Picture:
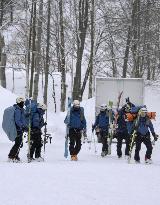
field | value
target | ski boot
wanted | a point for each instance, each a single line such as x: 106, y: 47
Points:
x: 119, y: 156
x: 31, y: 159
x: 148, y: 161
x: 137, y: 161
x: 39, y: 159
x: 10, y: 159
x: 74, y: 158
x: 103, y: 153
x: 126, y: 157
x: 17, y: 159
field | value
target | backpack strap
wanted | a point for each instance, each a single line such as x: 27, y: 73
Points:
x: 81, y: 113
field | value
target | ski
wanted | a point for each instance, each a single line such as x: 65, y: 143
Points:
x: 110, y: 127
x: 67, y: 128
x: 133, y: 138
x: 29, y: 133
x: 112, y: 122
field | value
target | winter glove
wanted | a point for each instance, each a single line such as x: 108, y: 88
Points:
x: 84, y: 134
x: 155, y: 136
x: 45, y: 123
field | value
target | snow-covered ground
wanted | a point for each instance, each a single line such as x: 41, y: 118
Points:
x: 90, y: 181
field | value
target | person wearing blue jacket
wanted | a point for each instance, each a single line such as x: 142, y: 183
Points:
x: 144, y: 127
x: 37, y: 122
x: 20, y: 123
x: 102, y: 122
x: 122, y: 133
x: 76, y: 123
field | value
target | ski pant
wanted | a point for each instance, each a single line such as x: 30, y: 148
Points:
x: 14, y: 152
x: 36, y: 143
x: 104, y: 140
x: 120, y: 136
x: 75, y: 141
x: 147, y: 141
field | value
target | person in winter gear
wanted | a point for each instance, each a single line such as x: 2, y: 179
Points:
x: 20, y: 127
x: 122, y: 133
x: 127, y: 108
x: 77, y: 124
x: 143, y: 135
x: 37, y: 122
x: 102, y: 122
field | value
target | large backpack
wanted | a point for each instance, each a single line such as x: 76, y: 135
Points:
x: 31, y: 109
x: 8, y: 123
x: 67, y: 119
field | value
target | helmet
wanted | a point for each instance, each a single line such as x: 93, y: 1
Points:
x: 76, y: 103
x: 42, y: 106
x: 143, y: 109
x: 20, y: 99
x: 103, y: 107
x: 143, y: 112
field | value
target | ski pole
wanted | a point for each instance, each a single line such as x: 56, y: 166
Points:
x: 95, y: 147
x: 90, y: 143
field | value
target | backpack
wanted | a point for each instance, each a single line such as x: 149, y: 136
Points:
x: 67, y: 119
x: 8, y: 123
x: 131, y: 117
x: 31, y: 109
x: 81, y: 113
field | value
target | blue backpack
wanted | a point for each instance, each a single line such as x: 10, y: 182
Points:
x: 31, y: 109
x: 8, y: 123
x: 67, y: 119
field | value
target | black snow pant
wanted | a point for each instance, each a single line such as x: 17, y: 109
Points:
x: 120, y: 136
x: 36, y: 143
x: 14, y: 152
x: 75, y: 141
x: 104, y: 140
x: 147, y: 141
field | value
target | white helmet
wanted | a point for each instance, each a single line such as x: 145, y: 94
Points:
x: 144, y: 109
x: 20, y: 99
x: 76, y: 103
x: 103, y: 107
x: 42, y: 106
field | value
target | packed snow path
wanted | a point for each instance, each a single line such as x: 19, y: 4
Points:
x: 91, y: 181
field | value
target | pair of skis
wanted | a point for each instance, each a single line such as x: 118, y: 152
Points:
x: 112, y: 121
x: 67, y: 128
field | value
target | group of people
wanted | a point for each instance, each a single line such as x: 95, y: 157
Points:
x: 32, y: 121
x: 24, y: 121
x: 123, y: 129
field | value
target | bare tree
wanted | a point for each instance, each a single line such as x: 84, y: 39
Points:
x: 81, y: 36
x: 47, y: 53
x: 62, y: 57
x: 38, y: 50
x: 34, y: 3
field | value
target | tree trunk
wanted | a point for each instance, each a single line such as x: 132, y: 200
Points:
x: 81, y: 36
x: 62, y: 50
x: 136, y: 37
x: 90, y: 92
x: 38, y: 49
x: 1, y: 10
x: 28, y: 48
x: 126, y: 56
x: 47, y: 53
x: 2, y: 70
x: 11, y: 12
x: 3, y: 59
x: 33, y: 47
